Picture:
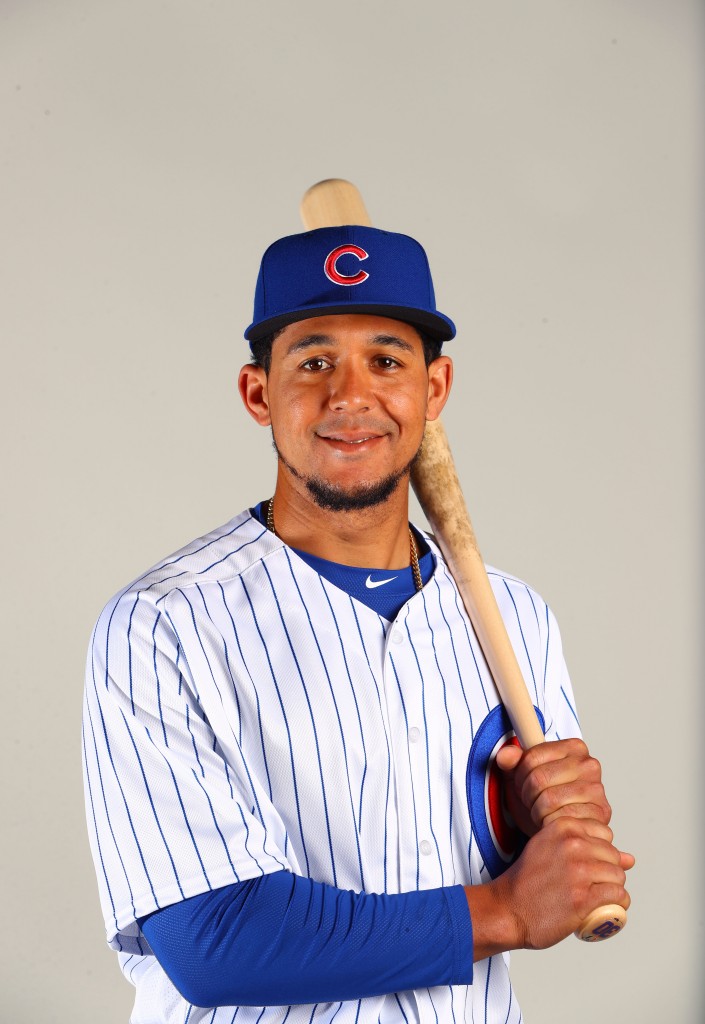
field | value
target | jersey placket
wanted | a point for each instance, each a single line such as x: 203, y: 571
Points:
x: 414, y: 738
x: 419, y: 864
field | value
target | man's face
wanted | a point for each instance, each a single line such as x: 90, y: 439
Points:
x: 347, y: 398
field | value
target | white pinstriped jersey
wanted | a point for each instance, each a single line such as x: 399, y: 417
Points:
x: 243, y: 715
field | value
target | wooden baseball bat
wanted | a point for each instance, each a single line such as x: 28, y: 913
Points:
x: 437, y: 487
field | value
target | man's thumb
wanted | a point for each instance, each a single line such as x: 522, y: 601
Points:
x: 508, y: 757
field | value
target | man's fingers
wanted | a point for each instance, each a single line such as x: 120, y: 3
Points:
x: 553, y: 779
x: 552, y: 774
x: 545, y: 754
x: 589, y: 830
x: 588, y: 811
x: 589, y: 842
x: 605, y: 894
x: 604, y: 849
x: 576, y: 801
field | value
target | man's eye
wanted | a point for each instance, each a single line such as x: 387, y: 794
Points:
x: 386, y: 362
x: 317, y: 363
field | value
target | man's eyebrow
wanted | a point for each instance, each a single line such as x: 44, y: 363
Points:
x: 311, y: 340
x: 392, y: 341
x: 308, y: 342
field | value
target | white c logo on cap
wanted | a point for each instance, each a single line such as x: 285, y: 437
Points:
x: 332, y: 272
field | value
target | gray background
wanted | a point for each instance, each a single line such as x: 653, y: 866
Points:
x: 547, y: 154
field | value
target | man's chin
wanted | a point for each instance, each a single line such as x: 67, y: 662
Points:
x: 336, y: 498
x: 364, y: 496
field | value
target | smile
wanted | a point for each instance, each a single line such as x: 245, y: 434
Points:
x: 348, y: 440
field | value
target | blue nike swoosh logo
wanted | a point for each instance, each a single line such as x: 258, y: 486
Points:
x: 371, y: 584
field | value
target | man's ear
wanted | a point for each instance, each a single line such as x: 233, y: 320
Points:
x: 440, y: 379
x: 252, y: 385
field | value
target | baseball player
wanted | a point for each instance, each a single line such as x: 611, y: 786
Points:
x: 302, y: 798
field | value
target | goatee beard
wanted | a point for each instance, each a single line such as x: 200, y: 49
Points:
x: 335, y: 499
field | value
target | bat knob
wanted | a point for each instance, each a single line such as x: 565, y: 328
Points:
x: 602, y: 923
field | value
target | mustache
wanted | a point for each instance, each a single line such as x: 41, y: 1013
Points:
x: 337, y: 424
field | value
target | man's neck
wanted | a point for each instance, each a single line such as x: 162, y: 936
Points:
x: 376, y: 536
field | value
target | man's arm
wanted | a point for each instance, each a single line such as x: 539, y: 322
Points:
x: 284, y: 939
x: 289, y: 939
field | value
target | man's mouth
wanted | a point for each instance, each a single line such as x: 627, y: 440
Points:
x: 349, y: 440
x: 353, y: 443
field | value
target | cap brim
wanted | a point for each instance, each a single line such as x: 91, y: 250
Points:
x: 436, y: 325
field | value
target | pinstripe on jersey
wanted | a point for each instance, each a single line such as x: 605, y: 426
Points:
x: 243, y: 715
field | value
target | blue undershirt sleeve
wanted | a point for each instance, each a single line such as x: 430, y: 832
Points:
x: 282, y: 939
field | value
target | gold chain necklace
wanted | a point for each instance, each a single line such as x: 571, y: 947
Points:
x: 413, y: 552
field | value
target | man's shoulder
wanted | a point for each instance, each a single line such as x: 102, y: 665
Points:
x: 510, y: 591
x: 506, y: 581
x: 219, y: 555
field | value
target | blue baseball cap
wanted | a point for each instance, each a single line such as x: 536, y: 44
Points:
x: 348, y: 269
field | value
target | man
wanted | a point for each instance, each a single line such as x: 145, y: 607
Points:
x: 290, y: 732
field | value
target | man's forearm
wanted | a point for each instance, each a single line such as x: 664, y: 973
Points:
x: 282, y: 939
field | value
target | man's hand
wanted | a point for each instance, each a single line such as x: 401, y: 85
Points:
x: 550, y: 781
x: 566, y: 870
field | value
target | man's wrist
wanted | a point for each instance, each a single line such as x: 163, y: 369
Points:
x: 495, y: 926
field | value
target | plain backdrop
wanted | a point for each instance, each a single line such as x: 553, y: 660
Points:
x: 548, y: 155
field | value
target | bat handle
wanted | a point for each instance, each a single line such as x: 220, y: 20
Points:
x: 602, y: 923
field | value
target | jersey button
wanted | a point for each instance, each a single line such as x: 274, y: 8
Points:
x: 397, y: 638
x: 414, y: 734
x: 425, y: 847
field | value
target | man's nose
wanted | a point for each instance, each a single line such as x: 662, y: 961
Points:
x: 351, y: 389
